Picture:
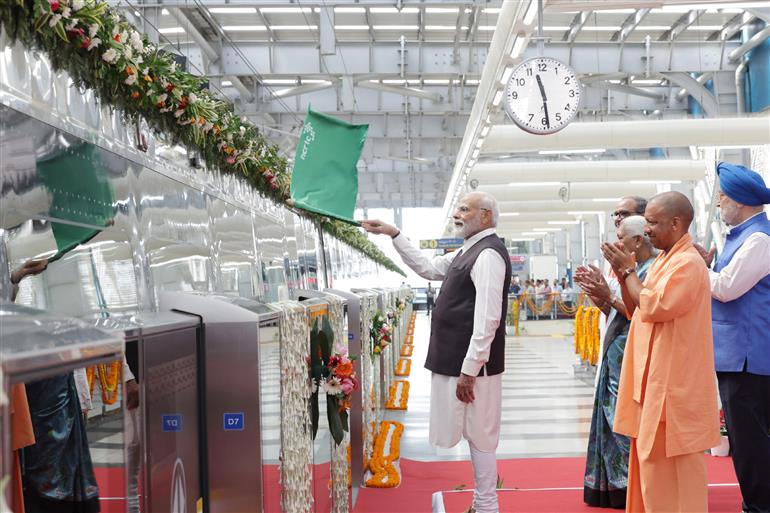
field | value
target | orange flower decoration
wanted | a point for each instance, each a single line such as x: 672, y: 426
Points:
x: 129, y: 70
x: 344, y: 370
x: 135, y: 95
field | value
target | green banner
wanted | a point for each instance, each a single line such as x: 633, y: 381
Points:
x: 325, y: 179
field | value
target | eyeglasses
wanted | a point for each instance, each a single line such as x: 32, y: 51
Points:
x: 621, y: 214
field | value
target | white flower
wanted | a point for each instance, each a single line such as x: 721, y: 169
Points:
x: 333, y: 386
x: 66, y: 13
x: 77, y: 5
x: 136, y: 41
x: 192, y: 98
x: 128, y: 53
x: 173, y: 66
x: 131, y: 79
x: 71, y: 25
x: 179, y: 113
x: 115, y: 19
x: 243, y: 129
x: 162, y: 98
x: 139, y: 59
x: 95, y: 42
x: 166, y: 109
x: 93, y: 29
x: 208, y: 126
x: 123, y: 37
x: 115, y: 30
x: 54, y: 20
x: 110, y: 56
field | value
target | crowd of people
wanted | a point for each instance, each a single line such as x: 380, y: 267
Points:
x: 678, y: 323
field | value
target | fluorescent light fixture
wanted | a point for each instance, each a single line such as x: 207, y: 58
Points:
x: 546, y: 229
x: 480, y: 142
x: 587, y: 212
x: 471, y: 163
x: 531, y: 13
x: 523, y: 239
x: 350, y: 10
x: 509, y: 214
x: 226, y: 83
x: 655, y: 182
x: 705, y: 28
x: 537, y: 234
x: 396, y: 27
x: 487, y: 28
x: 475, y: 154
x: 653, y: 27
x: 485, y: 131
x: 436, y: 81
x: 491, y: 10
x: 440, y: 27
x: 233, y: 10
x: 559, y: 152
x: 294, y: 27
x: 532, y: 184
x: 576, y: 221
x: 393, y: 10
x: 438, y: 10
x: 171, y: 30
x: 518, y: 46
x: 279, y: 81
x: 315, y: 81
x: 244, y: 28
x: 645, y: 81
x: 285, y: 10
x: 558, y: 28
x: 137, y: 14
x: 351, y: 27
x: 605, y: 200
x: 507, y: 72
x: 498, y: 98
x: 471, y: 81
x: 615, y: 11
x: 164, y: 12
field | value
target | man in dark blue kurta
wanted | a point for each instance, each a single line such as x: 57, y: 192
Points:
x: 740, y: 290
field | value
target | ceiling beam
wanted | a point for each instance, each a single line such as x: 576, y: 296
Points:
x: 629, y: 25
x: 578, y: 22
x: 403, y: 91
x: 636, y: 91
x: 681, y: 25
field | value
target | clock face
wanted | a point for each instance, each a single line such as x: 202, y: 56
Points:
x: 543, y: 95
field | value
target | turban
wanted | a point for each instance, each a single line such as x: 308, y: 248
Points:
x: 743, y: 185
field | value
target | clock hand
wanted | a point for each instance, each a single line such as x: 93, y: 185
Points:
x: 545, y: 101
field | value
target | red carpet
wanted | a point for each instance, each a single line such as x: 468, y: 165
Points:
x: 420, y: 480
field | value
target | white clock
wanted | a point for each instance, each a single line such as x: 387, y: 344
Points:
x: 543, y: 95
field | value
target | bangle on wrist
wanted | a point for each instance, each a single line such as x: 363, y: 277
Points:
x: 398, y: 232
x: 627, y: 272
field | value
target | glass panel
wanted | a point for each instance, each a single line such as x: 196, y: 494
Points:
x: 271, y: 246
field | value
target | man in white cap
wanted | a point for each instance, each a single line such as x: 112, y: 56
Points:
x: 467, y: 341
x: 740, y: 291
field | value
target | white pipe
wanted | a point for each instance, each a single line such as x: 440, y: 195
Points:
x: 740, y: 80
x: 184, y: 22
x: 702, y: 79
x: 663, y: 133
x: 402, y: 90
x: 577, y: 191
x: 246, y: 95
x: 756, y: 40
x: 588, y: 171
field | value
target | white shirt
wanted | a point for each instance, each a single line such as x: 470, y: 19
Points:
x: 487, y: 275
x: 750, y: 264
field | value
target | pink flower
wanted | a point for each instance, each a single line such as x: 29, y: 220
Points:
x: 347, y: 385
x: 230, y: 160
x: 54, y: 6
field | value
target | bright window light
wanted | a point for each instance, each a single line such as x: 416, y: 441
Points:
x: 350, y: 10
x: 498, y: 98
x: 396, y: 27
x: 351, y: 27
x: 294, y: 27
x: 244, y: 28
x: 171, y: 30
x: 576, y: 221
x: 233, y: 10
x: 439, y: 10
x: 226, y: 83
x: 558, y: 152
x: 393, y: 10
x: 286, y: 10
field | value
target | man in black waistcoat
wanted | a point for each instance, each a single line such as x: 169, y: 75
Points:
x: 467, y: 342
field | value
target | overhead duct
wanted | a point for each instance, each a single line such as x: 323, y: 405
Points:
x: 575, y: 191
x: 194, y: 33
x: 493, y: 173
x: 663, y: 133
x: 756, y: 40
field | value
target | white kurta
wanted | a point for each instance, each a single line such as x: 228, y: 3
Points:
x: 451, y: 419
x: 749, y: 265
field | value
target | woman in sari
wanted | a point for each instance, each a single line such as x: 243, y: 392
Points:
x: 606, y: 474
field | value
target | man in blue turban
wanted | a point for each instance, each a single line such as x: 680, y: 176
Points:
x: 740, y: 291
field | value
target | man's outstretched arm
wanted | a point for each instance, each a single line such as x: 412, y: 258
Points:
x: 430, y: 269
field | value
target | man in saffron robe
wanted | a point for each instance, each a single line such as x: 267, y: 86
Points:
x: 667, y: 400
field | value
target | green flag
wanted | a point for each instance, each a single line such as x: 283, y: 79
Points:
x: 80, y: 192
x: 324, y: 179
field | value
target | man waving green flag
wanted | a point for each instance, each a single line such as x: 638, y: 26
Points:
x: 324, y: 179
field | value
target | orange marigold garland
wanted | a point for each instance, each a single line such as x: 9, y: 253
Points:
x: 406, y: 350
x: 109, y: 380
x: 387, y: 448
x: 404, y: 367
x: 398, y: 396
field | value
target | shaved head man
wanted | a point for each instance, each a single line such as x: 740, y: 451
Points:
x: 667, y: 396
x: 466, y: 354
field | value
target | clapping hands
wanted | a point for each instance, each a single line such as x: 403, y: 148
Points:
x: 593, y: 283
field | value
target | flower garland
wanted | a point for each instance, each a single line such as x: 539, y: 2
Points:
x: 406, y: 350
x: 404, y: 367
x: 296, y: 443
x: 368, y: 369
x: 386, y: 451
x: 587, y: 334
x: 109, y: 380
x: 379, y: 333
x: 102, y: 51
x: 399, y: 395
